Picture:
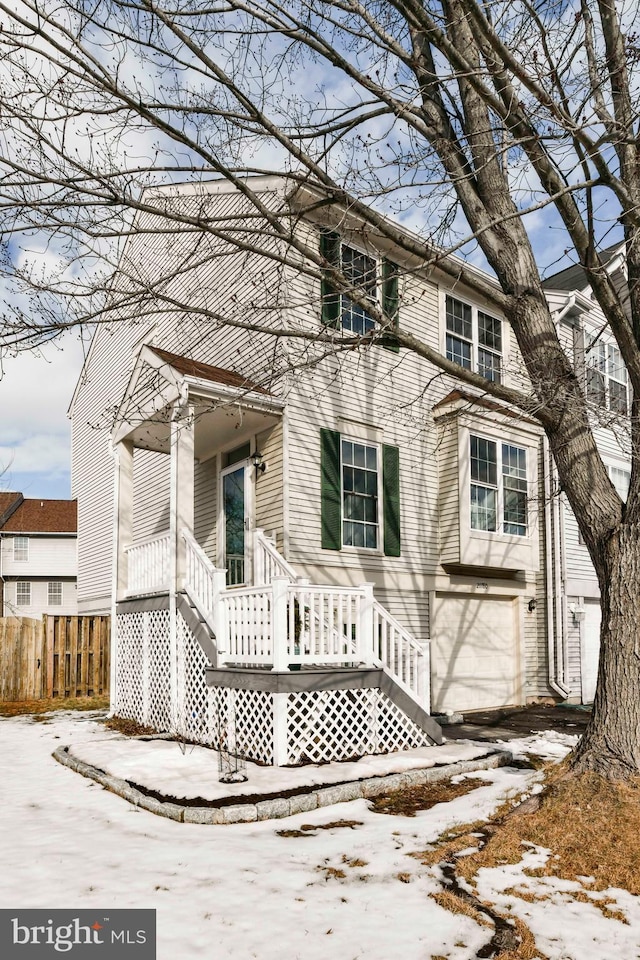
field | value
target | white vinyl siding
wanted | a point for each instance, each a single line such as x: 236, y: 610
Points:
x: 49, y: 556
x: 38, y: 599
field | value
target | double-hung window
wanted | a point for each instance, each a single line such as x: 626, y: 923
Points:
x: 360, y: 494
x: 23, y: 593
x: 21, y: 548
x: 54, y: 593
x: 374, y: 280
x: 473, y: 339
x: 606, y: 375
x: 498, y: 490
x: 360, y: 497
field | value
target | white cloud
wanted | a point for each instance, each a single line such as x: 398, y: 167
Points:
x: 35, y: 391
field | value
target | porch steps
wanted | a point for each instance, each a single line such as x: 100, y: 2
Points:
x: 197, y: 623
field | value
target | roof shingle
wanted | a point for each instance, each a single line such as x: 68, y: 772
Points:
x: 43, y: 516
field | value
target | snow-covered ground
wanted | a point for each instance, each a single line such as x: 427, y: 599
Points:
x: 243, y: 891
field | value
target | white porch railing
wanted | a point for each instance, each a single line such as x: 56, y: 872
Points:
x: 267, y: 561
x: 284, y: 624
x: 404, y: 656
x: 200, y: 577
x: 280, y: 623
x: 148, y: 565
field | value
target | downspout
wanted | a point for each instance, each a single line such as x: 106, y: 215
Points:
x: 551, y: 562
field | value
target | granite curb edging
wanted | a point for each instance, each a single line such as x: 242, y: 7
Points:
x: 275, y: 809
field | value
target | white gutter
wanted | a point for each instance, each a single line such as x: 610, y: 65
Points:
x: 550, y: 558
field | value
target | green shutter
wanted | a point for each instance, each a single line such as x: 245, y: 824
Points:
x: 330, y: 250
x: 391, y: 500
x: 390, y: 302
x: 331, y: 507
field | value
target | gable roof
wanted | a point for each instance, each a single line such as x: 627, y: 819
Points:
x: 9, y: 503
x: 205, y: 371
x: 574, y: 277
x: 42, y: 516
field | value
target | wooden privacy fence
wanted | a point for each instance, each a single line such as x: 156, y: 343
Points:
x: 53, y: 657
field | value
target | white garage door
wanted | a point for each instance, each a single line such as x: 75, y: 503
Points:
x: 590, y: 649
x: 475, y: 653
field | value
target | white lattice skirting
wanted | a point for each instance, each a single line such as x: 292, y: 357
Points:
x: 306, y: 727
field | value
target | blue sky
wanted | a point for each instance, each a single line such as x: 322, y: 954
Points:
x: 35, y: 435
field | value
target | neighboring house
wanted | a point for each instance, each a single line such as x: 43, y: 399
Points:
x: 585, y: 334
x: 400, y: 508
x: 38, y: 556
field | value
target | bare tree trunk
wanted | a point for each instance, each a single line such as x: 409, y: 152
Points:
x: 611, y: 743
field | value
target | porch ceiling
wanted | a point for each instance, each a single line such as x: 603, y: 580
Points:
x: 216, y: 426
x: 228, y: 408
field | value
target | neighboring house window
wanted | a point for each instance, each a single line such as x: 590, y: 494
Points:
x: 621, y: 479
x: 23, y: 593
x: 473, y: 339
x: 498, y: 487
x: 54, y: 594
x: 21, y: 548
x: 606, y: 379
x: 375, y: 280
x: 360, y: 495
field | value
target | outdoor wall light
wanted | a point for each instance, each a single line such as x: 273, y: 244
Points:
x: 258, y: 461
x: 532, y: 605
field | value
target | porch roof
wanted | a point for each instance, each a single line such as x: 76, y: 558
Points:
x: 205, y: 371
x: 227, y: 405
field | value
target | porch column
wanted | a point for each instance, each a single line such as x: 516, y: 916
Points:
x: 123, y: 516
x: 182, y: 489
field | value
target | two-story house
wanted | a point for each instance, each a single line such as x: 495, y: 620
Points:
x: 38, y: 556
x: 582, y: 328
x: 287, y: 504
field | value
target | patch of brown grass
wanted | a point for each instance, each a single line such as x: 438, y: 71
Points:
x: 408, y: 800
x: 454, y: 904
x: 527, y: 949
x: 19, y: 708
x: 129, y: 728
x: 590, y: 825
x: 354, y: 861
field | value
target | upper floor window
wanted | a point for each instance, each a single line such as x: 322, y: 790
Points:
x: 23, y: 593
x: 375, y: 280
x: 606, y: 376
x: 54, y: 593
x: 473, y: 339
x: 498, y: 487
x: 21, y: 548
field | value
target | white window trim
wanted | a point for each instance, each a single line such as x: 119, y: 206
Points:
x: 377, y: 301
x: 591, y: 351
x: 379, y: 549
x: 499, y: 439
x: 25, y: 541
x: 475, y: 309
x: 24, y: 603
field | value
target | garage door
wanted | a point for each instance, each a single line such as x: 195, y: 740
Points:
x: 590, y: 649
x: 475, y: 653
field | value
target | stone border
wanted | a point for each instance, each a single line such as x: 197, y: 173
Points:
x: 282, y: 807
